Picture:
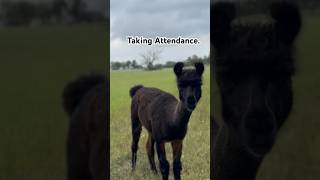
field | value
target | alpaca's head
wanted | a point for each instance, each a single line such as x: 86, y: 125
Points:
x: 254, y: 64
x: 189, y: 83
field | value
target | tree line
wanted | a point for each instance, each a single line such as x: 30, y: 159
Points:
x: 152, y: 65
x: 23, y: 13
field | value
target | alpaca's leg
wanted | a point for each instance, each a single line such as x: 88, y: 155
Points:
x: 177, y: 151
x: 136, y: 131
x: 150, y: 150
x: 164, y: 164
x: 77, y: 154
x: 98, y: 148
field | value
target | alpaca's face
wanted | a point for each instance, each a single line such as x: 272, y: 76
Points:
x: 254, y: 65
x: 189, y: 83
x: 254, y: 107
x: 189, y: 92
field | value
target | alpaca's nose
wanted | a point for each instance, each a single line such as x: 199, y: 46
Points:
x: 191, y: 100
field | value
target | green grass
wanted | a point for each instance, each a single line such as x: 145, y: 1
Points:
x: 196, y: 148
x: 296, y: 154
x: 35, y: 65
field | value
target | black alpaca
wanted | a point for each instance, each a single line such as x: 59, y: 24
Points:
x: 253, y: 66
x: 85, y: 101
x: 165, y: 117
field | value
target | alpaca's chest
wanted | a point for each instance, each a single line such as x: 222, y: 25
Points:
x: 176, y: 133
x: 169, y: 133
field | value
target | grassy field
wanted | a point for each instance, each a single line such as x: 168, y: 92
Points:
x: 35, y: 64
x: 196, y: 150
x: 296, y: 154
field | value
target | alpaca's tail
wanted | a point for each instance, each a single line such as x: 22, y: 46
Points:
x: 74, y: 91
x: 134, y: 89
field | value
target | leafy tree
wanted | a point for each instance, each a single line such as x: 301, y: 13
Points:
x: 128, y: 64
x: 157, y: 67
x: 78, y: 8
x: 58, y: 7
x: 193, y: 59
x: 134, y: 64
x: 169, y: 64
x: 18, y: 13
x: 116, y: 65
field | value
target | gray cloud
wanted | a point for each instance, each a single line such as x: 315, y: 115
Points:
x: 151, y: 18
x: 159, y: 17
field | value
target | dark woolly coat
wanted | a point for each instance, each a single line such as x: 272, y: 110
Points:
x: 156, y: 105
x: 85, y: 101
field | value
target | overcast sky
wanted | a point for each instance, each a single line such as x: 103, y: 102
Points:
x: 151, y: 18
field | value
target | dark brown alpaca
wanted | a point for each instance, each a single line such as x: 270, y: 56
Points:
x: 254, y: 64
x: 85, y: 101
x: 165, y: 118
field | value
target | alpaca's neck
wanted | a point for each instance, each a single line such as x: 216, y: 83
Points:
x: 181, y: 114
x: 230, y: 160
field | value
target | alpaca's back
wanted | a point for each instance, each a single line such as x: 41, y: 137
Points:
x: 150, y: 106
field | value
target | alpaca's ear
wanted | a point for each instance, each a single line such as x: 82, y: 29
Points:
x: 287, y: 21
x: 221, y: 16
x: 178, y: 68
x: 199, y: 67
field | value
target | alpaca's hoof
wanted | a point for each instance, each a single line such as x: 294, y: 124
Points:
x: 165, y: 178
